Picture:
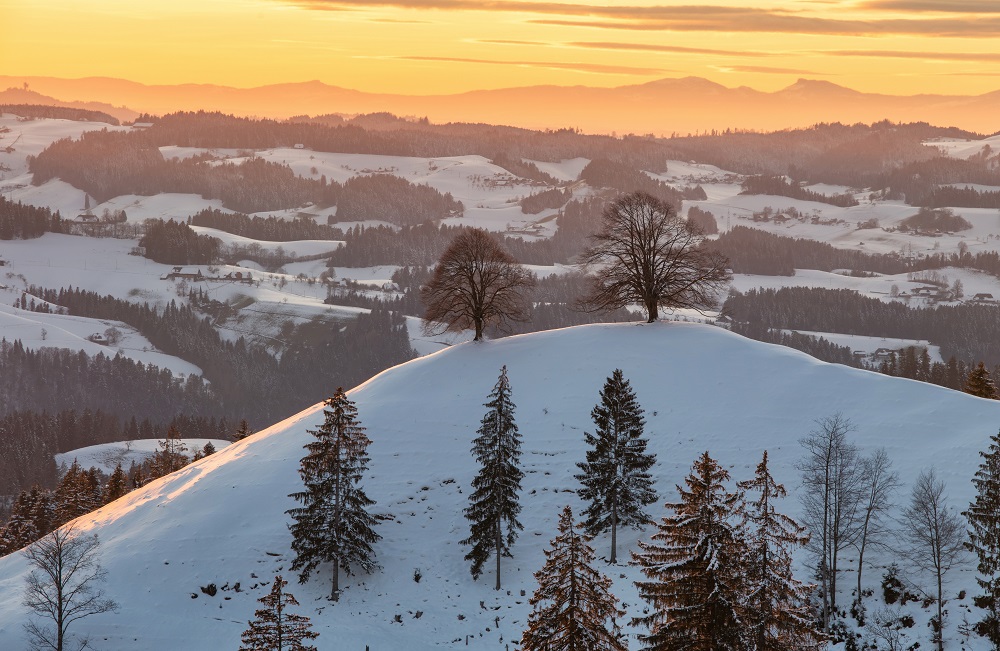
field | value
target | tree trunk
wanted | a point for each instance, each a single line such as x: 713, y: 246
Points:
x: 335, y: 591
x: 940, y: 609
x: 479, y: 330
x: 498, y: 542
x: 614, y: 534
x: 653, y: 310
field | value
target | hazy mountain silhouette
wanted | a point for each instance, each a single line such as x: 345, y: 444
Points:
x: 661, y: 107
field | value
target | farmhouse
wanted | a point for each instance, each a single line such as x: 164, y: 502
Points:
x: 180, y: 272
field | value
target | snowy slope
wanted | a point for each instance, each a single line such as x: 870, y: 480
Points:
x: 222, y: 520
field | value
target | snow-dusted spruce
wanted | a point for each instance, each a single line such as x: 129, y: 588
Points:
x: 274, y: 628
x: 573, y: 602
x: 78, y: 493
x: 615, y: 478
x: 776, y: 611
x: 494, y: 503
x: 334, y: 524
x: 117, y: 485
x: 693, y: 564
x: 984, y: 538
x: 979, y: 383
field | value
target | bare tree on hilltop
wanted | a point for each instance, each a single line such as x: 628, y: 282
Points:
x: 646, y: 253
x: 476, y: 283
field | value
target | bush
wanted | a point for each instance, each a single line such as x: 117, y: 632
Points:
x: 892, y: 587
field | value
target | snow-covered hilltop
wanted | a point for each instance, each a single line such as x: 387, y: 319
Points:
x: 222, y: 520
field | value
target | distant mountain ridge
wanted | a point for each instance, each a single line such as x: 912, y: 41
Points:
x: 661, y: 107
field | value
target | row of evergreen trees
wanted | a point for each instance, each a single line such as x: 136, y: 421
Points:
x: 20, y: 221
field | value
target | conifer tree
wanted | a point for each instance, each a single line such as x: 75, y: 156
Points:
x: 615, y: 476
x: 333, y: 524
x: 984, y: 539
x: 494, y: 504
x: 32, y: 516
x: 274, y: 628
x: 979, y: 383
x: 171, y: 455
x: 693, y: 566
x: 242, y: 431
x: 776, y: 610
x: 73, y: 496
x: 573, y: 602
x: 117, y: 485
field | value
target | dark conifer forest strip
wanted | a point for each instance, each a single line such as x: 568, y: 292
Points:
x: 970, y: 333
x: 246, y: 378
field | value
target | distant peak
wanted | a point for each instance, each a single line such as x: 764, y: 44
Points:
x: 815, y: 86
x: 690, y: 83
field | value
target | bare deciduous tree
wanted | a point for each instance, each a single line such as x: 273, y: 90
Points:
x: 936, y: 533
x: 832, y: 483
x: 878, y: 485
x: 62, y: 587
x: 646, y: 253
x: 476, y: 284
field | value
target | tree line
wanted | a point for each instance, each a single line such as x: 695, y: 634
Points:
x: 38, y: 511
x: 246, y: 378
x: 267, y: 229
x: 107, y: 164
x: 20, y: 221
x: 31, y: 439
x: 753, y: 251
x: 59, y: 113
x: 390, y: 198
x: 780, y: 186
x: 966, y: 332
x: 387, y: 135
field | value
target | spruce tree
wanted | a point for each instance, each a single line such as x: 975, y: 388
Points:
x: 73, y: 495
x: 494, y: 504
x: 615, y: 476
x: 20, y: 528
x: 573, y: 602
x: 984, y: 539
x: 979, y: 383
x: 274, y: 628
x: 117, y: 485
x: 243, y: 431
x: 333, y: 524
x: 693, y: 566
x: 776, y: 609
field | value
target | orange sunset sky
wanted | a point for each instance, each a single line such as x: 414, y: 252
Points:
x: 446, y: 46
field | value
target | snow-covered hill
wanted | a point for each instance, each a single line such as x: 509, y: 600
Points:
x: 222, y: 520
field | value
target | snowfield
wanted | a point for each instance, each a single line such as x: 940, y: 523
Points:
x: 106, y: 456
x: 222, y: 520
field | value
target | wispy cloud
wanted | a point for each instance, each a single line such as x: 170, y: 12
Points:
x: 905, y: 54
x: 769, y: 70
x: 591, y: 68
x: 779, y: 23
x: 941, y: 6
x: 629, y: 46
x: 714, y: 18
x: 672, y: 49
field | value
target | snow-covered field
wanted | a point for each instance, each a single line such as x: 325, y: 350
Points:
x: 222, y: 520
x: 106, y: 456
